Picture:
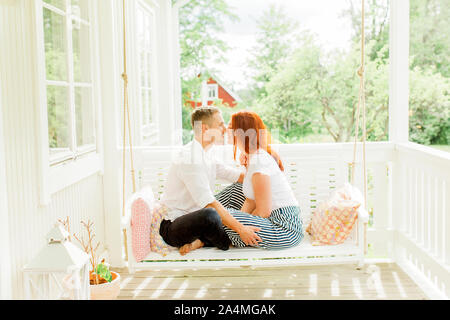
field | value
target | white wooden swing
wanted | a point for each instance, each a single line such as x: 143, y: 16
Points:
x: 312, y: 178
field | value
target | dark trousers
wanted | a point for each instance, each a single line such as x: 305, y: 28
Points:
x: 204, y: 224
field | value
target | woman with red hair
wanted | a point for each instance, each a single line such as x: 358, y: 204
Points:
x: 265, y: 199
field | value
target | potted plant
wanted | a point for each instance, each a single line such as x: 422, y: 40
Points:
x: 104, y: 283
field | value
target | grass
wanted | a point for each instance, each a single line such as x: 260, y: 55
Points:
x: 325, y: 138
x: 442, y: 147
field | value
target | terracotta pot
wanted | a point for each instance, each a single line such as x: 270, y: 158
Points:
x: 106, y: 291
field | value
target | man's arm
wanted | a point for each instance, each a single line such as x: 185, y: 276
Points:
x: 247, y: 233
x: 229, y: 173
x: 196, y: 181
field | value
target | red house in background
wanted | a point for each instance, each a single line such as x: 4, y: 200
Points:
x: 213, y: 90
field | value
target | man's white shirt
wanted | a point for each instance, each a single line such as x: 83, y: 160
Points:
x: 191, y: 179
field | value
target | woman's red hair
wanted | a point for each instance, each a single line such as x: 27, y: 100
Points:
x: 248, y: 122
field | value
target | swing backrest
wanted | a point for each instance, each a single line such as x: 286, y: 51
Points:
x: 312, y: 174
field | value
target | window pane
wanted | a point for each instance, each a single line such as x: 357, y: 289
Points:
x: 144, y: 36
x: 81, y: 52
x: 55, y: 46
x: 143, y: 67
x: 58, y: 119
x: 148, y: 69
x: 60, y: 4
x: 144, y: 28
x: 149, y: 99
x: 429, y: 106
x: 146, y: 106
x: 85, y: 117
x: 212, y: 92
x: 80, y: 8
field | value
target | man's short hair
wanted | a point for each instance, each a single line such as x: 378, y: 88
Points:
x: 203, y: 114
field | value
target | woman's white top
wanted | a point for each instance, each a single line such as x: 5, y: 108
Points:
x: 262, y: 162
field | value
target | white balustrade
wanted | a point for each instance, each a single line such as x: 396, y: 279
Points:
x: 423, y: 226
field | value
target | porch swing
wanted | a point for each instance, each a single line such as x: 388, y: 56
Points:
x: 312, y: 178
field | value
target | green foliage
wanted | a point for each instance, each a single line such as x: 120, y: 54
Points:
x: 376, y: 21
x: 429, y: 121
x: 103, y: 271
x: 313, y: 94
x: 430, y: 38
x: 307, y: 96
x: 274, y: 39
x: 290, y: 104
x: 56, y: 59
x: 187, y: 126
x: 227, y: 111
x: 302, y: 92
x: 58, y: 126
x: 200, y: 23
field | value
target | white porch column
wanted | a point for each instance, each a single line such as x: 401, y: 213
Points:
x: 398, y: 109
x: 399, y: 71
x: 111, y: 89
x: 170, y: 106
x: 176, y: 70
x: 5, y: 263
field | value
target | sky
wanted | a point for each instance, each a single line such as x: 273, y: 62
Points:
x: 320, y: 16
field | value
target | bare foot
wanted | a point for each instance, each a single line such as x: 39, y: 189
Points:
x: 196, y: 244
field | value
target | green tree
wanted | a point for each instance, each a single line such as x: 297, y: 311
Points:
x: 429, y: 55
x: 56, y: 69
x: 200, y: 23
x: 376, y: 22
x: 338, y: 95
x: 430, y: 38
x: 429, y: 121
x: 430, y: 71
x: 274, y: 44
x: 290, y: 104
x: 308, y: 96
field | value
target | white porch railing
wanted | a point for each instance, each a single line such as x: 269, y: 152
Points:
x: 324, y: 167
x: 408, y: 198
x: 422, y: 216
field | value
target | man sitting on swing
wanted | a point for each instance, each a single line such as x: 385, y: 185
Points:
x: 196, y: 217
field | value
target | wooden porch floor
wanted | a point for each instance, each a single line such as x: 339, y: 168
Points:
x: 374, y: 281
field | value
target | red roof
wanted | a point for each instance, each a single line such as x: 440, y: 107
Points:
x: 228, y: 97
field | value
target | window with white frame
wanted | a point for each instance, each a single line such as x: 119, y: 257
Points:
x: 69, y: 78
x: 145, y: 27
x: 213, y: 92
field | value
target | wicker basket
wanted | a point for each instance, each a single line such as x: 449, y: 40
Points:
x: 106, y: 291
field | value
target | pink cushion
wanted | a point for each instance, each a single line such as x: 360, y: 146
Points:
x: 146, y: 217
x: 141, y: 220
x: 157, y: 244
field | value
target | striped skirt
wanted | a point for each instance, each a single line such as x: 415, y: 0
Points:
x: 283, y: 229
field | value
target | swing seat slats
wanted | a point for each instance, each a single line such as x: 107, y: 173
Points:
x: 304, y: 253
